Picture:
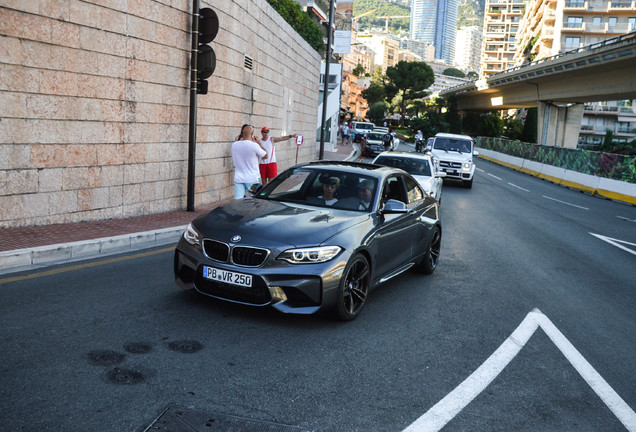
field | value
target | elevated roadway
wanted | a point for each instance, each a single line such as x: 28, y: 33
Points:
x: 558, y: 86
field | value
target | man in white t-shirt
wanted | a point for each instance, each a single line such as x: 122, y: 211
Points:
x: 246, y: 152
x: 268, y: 166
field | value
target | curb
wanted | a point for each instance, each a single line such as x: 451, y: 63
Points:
x: 42, y: 256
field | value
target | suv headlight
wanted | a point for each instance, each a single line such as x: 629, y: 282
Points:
x: 191, y: 235
x: 318, y: 254
x: 467, y: 166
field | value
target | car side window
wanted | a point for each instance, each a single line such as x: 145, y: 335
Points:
x: 413, y: 190
x: 393, y: 189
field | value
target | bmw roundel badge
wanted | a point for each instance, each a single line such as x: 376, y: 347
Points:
x: 236, y: 238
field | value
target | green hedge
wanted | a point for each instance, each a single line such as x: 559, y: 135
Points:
x: 608, y: 165
x: 300, y: 21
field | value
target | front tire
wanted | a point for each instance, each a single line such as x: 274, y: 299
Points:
x: 354, y: 288
x: 431, y: 257
x: 468, y: 184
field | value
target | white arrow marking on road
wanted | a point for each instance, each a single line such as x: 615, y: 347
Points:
x: 498, y: 178
x: 518, y: 187
x: 617, y: 243
x: 566, y: 203
x: 445, y: 410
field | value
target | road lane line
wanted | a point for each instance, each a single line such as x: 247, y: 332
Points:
x: 627, y: 219
x: 616, y: 242
x: 83, y: 266
x: 446, y: 409
x: 498, y: 178
x: 566, y: 203
x: 518, y: 187
x: 479, y: 169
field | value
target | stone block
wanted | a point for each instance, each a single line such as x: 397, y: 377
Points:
x: 15, y: 258
x: 115, y: 243
x: 48, y: 254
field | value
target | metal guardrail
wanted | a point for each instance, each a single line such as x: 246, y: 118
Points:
x: 615, y: 40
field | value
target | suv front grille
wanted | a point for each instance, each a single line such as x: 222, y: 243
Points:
x: 447, y: 164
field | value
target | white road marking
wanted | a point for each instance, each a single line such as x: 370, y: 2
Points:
x: 627, y: 219
x: 445, y: 410
x: 498, y: 178
x: 566, y: 203
x: 518, y: 187
x: 479, y: 169
x: 617, y: 243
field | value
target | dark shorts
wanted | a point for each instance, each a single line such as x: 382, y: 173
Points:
x: 269, y: 170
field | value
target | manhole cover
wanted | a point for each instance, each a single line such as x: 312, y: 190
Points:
x: 176, y: 419
x: 185, y: 346
x: 104, y: 357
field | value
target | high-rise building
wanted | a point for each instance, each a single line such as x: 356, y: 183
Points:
x: 435, y: 22
x: 501, y: 22
x: 468, y: 48
x: 552, y: 27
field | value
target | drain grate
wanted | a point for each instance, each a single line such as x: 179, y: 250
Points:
x: 178, y: 419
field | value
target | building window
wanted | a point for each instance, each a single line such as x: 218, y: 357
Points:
x: 613, y: 21
x: 572, y: 43
x: 596, y: 21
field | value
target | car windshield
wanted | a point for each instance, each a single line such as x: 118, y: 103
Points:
x: 365, y: 126
x: 452, y: 144
x: 413, y: 166
x: 375, y: 136
x: 322, y: 187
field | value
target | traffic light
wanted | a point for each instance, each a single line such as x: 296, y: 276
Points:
x: 206, y: 58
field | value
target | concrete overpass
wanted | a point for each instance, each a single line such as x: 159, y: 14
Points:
x: 558, y: 86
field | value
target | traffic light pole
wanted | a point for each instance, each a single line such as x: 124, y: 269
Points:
x: 192, y: 135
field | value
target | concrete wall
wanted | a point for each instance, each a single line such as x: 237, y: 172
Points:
x: 94, y: 104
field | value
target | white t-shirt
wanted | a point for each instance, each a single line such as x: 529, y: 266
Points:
x: 268, y: 145
x: 246, y: 154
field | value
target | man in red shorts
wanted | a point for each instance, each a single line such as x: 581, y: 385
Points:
x: 268, y: 166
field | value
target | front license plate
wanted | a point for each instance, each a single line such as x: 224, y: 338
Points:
x: 226, y: 276
x: 453, y: 172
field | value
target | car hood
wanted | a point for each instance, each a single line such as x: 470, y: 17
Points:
x: 451, y: 156
x: 268, y: 223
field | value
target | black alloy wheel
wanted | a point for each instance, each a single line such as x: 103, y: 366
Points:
x: 354, y: 288
x: 431, y: 257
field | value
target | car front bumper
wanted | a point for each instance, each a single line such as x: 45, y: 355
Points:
x: 289, y: 288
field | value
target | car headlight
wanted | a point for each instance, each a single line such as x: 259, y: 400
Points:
x: 317, y: 254
x: 467, y: 166
x: 191, y: 236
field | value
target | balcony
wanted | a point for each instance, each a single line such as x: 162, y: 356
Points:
x: 621, y: 6
x: 573, y: 27
x: 576, y: 5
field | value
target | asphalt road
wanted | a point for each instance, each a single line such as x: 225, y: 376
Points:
x: 109, y: 345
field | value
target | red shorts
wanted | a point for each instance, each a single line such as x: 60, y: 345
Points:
x: 269, y: 170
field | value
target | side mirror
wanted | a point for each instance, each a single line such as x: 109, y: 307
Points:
x: 394, y: 206
x: 440, y: 174
x: 476, y: 153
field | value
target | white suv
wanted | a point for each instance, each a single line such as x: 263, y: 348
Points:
x: 454, y: 155
x: 361, y: 129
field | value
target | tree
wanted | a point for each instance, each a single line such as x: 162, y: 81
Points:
x: 492, y: 125
x: 359, y: 70
x: 376, y: 112
x: 452, y: 116
x: 374, y: 93
x: 408, y: 80
x: 529, y: 133
x: 454, y: 72
x: 472, y: 75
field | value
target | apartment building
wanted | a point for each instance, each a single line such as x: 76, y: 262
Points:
x: 468, y: 48
x: 501, y: 23
x: 385, y: 47
x: 435, y: 22
x: 551, y: 27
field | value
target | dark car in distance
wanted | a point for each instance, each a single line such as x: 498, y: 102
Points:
x: 320, y: 236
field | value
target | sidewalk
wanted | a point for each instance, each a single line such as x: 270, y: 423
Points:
x: 23, y: 249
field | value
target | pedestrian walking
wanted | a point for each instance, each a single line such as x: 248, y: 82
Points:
x: 268, y: 165
x: 246, y: 152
